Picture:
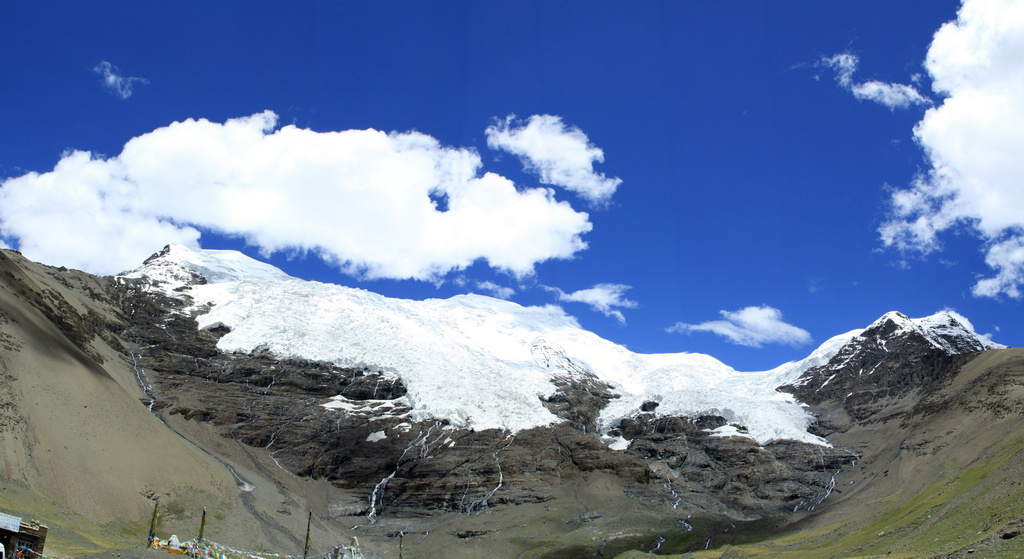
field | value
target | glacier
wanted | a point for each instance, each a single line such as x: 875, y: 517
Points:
x: 476, y: 361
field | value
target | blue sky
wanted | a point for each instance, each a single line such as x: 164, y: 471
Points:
x: 741, y: 179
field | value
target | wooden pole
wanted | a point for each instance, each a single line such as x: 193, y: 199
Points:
x: 152, y: 524
x: 308, y: 523
x: 202, y: 526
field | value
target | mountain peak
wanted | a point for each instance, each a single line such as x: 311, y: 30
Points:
x: 946, y: 330
x: 894, y: 355
x: 177, y: 266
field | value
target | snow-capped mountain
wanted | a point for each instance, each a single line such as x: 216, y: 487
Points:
x: 481, y: 362
x: 384, y: 416
x: 474, y: 360
x: 894, y: 355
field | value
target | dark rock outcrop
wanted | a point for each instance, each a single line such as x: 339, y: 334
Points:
x: 692, y: 461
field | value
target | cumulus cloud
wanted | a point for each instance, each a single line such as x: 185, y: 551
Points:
x: 559, y: 155
x: 606, y: 298
x: 750, y: 326
x: 363, y: 200
x: 499, y: 291
x: 892, y: 95
x: 1007, y: 259
x: 973, y: 143
x: 115, y: 83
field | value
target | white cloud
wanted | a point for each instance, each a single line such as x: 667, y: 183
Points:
x: 360, y: 199
x: 892, y: 95
x: 118, y: 85
x: 603, y: 297
x: 561, y: 156
x: 1007, y: 259
x: 499, y: 291
x: 750, y: 326
x: 973, y: 142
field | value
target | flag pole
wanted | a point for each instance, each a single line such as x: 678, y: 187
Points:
x: 308, y: 523
x: 152, y: 524
x: 202, y: 526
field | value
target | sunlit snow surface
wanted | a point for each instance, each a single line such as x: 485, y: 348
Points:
x: 477, y: 361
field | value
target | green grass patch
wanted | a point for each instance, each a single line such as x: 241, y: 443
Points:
x: 68, y: 534
x: 956, y: 511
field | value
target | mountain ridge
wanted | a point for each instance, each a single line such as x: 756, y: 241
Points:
x: 279, y: 431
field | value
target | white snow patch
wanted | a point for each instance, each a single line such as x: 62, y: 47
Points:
x: 828, y: 380
x: 728, y: 430
x: 616, y: 443
x: 376, y: 436
x: 368, y: 407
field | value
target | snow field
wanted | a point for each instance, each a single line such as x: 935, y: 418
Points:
x: 477, y: 361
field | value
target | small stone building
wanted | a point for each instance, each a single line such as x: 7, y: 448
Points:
x: 15, y: 533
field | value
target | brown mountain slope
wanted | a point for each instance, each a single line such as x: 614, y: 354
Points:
x: 75, y: 436
x: 953, y: 464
